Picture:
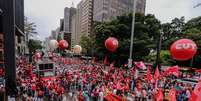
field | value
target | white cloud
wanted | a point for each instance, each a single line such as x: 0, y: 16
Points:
x: 166, y: 10
x: 46, y: 13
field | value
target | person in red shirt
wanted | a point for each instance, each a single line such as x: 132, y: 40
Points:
x: 33, y: 87
x: 40, y: 94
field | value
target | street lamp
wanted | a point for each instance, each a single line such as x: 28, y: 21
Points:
x: 132, y: 35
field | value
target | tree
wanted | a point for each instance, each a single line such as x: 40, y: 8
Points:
x: 34, y: 45
x: 29, y: 28
x: 88, y: 44
x: 147, y: 32
x: 178, y: 29
x: 165, y: 58
x: 147, y: 28
x: 172, y: 31
x: 194, y: 23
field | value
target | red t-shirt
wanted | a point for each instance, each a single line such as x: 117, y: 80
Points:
x: 33, y: 87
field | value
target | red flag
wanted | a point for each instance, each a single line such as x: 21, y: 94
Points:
x: 156, y: 74
x: 109, y: 97
x: 80, y: 97
x: 172, y: 70
x: 159, y: 96
x: 196, y: 95
x: 149, y: 75
x: 172, y: 95
x: 119, y: 86
x: 105, y: 61
x: 112, y: 64
x: 198, y: 70
x: 118, y: 98
x: 112, y: 97
x: 140, y: 65
x: 193, y: 97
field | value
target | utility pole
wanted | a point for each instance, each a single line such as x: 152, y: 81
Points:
x: 159, y: 50
x: 8, y: 8
x: 130, y: 60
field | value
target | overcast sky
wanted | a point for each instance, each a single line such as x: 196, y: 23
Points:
x: 46, y: 13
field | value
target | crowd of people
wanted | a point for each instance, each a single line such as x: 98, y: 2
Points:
x: 96, y: 82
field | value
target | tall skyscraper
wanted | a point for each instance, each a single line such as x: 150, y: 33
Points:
x: 68, y: 14
x: 74, y: 31
x: 86, y: 16
x: 78, y: 28
x: 106, y: 10
x: 66, y: 24
x: 83, y: 19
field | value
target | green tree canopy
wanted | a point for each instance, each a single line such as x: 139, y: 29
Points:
x: 147, y: 29
x: 88, y: 44
x: 34, y: 45
x: 29, y: 28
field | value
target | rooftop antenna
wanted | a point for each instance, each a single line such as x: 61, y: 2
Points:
x: 199, y: 4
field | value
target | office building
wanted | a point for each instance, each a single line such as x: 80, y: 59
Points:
x: 68, y: 15
x: 74, y: 32
x: 67, y: 25
x: 106, y: 10
x: 84, y: 19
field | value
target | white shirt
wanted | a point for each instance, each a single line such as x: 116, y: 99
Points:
x: 138, y: 93
x: 188, y: 94
x: 115, y: 91
x: 101, y: 96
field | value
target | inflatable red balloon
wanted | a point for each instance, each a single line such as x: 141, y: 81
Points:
x: 183, y: 49
x: 63, y: 44
x: 111, y: 44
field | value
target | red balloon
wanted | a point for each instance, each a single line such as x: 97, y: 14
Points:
x: 183, y: 49
x: 63, y: 44
x: 111, y: 44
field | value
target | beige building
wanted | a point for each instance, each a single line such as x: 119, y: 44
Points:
x: 106, y: 10
x: 78, y: 28
x: 86, y: 16
x: 83, y: 20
